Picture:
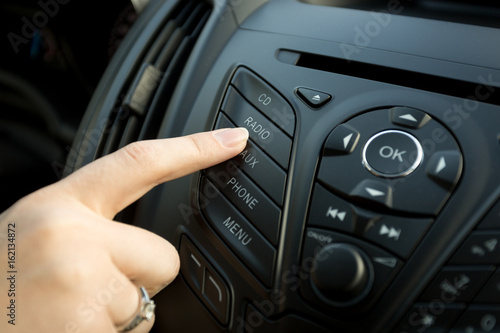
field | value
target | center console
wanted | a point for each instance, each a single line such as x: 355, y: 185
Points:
x: 367, y: 198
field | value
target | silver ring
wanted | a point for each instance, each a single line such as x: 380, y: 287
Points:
x: 146, y: 311
x: 418, y: 160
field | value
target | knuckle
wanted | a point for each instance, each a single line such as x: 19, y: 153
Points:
x: 70, y: 274
x: 56, y: 258
x: 140, y: 153
x: 48, y: 236
x: 196, y: 144
x: 198, y: 147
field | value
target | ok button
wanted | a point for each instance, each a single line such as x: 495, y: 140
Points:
x: 392, y: 154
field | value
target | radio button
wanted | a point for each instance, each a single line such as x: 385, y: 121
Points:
x: 262, y: 131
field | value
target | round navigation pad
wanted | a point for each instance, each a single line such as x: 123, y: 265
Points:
x: 392, y: 153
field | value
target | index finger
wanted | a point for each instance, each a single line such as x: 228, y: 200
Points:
x: 113, y: 182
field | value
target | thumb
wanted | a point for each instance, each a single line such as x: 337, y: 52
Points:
x: 113, y: 182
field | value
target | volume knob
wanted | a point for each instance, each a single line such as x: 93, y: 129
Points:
x: 342, y: 274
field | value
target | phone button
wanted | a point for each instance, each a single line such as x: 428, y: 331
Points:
x: 245, y: 195
x: 239, y: 234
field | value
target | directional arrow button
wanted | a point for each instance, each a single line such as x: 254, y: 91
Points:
x: 343, y: 140
x: 445, y: 167
x: 347, y: 139
x: 441, y: 165
x: 374, y: 191
x: 408, y: 117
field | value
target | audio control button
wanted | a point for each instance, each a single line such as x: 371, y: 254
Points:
x: 408, y: 117
x: 392, y: 153
x: 457, y: 283
x: 342, y: 140
x: 478, y: 318
x: 341, y: 273
x: 262, y: 130
x: 423, y: 317
x: 374, y: 271
x: 374, y: 191
x: 313, y: 98
x: 265, y: 98
x: 329, y: 211
x: 239, y: 234
x: 482, y: 247
x: 414, y: 157
x: 248, y: 198
x: 397, y: 234
x: 258, y: 166
x: 445, y: 167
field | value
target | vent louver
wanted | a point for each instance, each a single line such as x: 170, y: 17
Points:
x: 139, y: 113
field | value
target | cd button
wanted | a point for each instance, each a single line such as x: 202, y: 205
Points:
x: 265, y: 99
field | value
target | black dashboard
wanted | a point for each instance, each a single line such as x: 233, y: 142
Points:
x: 368, y: 196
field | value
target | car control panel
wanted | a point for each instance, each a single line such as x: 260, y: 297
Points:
x: 247, y: 193
x: 382, y: 178
x: 368, y: 196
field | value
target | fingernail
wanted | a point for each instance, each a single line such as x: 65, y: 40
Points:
x: 232, y: 137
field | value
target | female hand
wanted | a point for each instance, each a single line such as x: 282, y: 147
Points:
x: 72, y: 269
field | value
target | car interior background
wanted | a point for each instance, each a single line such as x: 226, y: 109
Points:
x: 368, y: 197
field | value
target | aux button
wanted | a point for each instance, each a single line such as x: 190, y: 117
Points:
x: 392, y: 154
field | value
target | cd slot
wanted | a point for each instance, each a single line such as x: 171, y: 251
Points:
x: 396, y: 76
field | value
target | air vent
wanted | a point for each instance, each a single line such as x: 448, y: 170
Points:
x: 141, y: 109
